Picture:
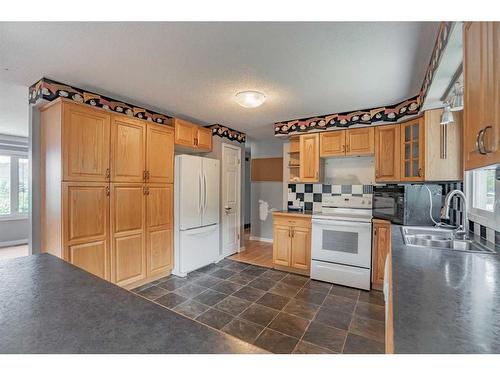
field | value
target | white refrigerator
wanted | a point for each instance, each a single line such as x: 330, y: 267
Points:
x: 196, y: 213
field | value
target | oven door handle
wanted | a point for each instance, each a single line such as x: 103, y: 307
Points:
x: 331, y: 223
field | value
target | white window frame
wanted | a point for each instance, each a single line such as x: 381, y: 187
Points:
x: 14, y: 185
x: 487, y: 218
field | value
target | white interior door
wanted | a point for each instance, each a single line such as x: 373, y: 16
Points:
x: 231, y: 180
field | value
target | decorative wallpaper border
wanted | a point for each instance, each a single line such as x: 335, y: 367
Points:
x: 225, y: 132
x: 391, y: 113
x: 50, y: 90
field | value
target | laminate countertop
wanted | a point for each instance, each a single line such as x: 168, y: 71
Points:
x: 444, y: 301
x: 50, y: 306
x: 305, y: 213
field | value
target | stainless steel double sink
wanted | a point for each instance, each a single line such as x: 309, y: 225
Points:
x: 443, y: 238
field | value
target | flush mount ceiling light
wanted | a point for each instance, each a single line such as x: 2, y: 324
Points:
x: 250, y: 99
x: 447, y: 116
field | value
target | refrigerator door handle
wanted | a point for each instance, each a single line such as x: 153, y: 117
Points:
x: 204, y: 192
x: 199, y: 191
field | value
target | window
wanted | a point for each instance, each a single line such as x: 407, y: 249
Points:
x: 14, y: 193
x: 483, y: 185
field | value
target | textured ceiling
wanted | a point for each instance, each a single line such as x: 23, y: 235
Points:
x: 193, y: 70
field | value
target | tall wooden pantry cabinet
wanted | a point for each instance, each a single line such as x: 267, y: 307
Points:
x: 107, y: 192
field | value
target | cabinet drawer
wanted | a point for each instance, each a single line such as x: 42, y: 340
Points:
x: 293, y: 221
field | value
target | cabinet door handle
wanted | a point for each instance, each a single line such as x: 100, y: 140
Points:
x: 293, y: 232
x: 144, y: 175
x: 376, y: 174
x: 108, y: 173
x: 343, y: 148
x: 289, y: 232
x: 147, y: 175
x: 419, y: 172
x: 107, y: 191
x: 481, y: 141
x: 479, y: 144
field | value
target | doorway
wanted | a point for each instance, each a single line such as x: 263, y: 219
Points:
x: 231, y: 199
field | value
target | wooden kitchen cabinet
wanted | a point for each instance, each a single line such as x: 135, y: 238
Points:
x: 481, y: 94
x: 128, y: 220
x: 332, y: 143
x: 128, y: 146
x: 381, y: 246
x: 387, y: 148
x: 350, y: 142
x: 359, y: 141
x: 412, y: 150
x: 159, y: 154
x: 85, y: 227
x: 292, y: 242
x: 159, y: 228
x: 309, y: 158
x: 85, y: 143
x: 192, y: 136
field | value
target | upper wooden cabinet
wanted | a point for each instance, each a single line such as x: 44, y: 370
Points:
x: 309, y: 158
x: 360, y: 141
x: 481, y: 94
x: 332, y: 143
x: 85, y: 145
x: 159, y: 154
x: 350, y: 142
x: 413, y: 150
x: 192, y: 136
x: 387, y: 148
x: 128, y: 147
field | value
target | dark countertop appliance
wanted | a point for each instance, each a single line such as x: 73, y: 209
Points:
x: 407, y: 204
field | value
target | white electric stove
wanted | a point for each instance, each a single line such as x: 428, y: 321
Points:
x: 342, y: 241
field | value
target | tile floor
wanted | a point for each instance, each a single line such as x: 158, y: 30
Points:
x: 277, y: 311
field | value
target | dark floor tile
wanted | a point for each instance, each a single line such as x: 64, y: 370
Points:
x: 308, y: 348
x: 210, y: 297
x: 207, y: 281
x: 301, y: 308
x: 145, y: 286
x: 274, y: 275
x: 285, y: 290
x: 259, y: 314
x: 191, y: 308
x: 325, y: 336
x: 370, y: 311
x: 344, y: 291
x: 153, y: 292
x: 248, y: 293
x: 173, y: 284
x: 318, y: 286
x: 215, y: 318
x: 190, y: 290
x: 373, y: 296
x: 253, y: 271
x: 209, y: 269
x: 369, y: 328
x: 274, y: 301
x: 333, y: 317
x: 355, y: 344
x: 163, y: 279
x: 311, y: 296
x: 236, y: 267
x: 195, y: 275
x: 339, y: 303
x: 170, y: 300
x: 276, y: 342
x: 223, y: 273
x: 241, y: 278
x: 225, y: 262
x: 244, y: 330
x: 233, y: 305
x: 226, y: 287
x: 262, y: 283
x: 290, y: 325
x: 295, y: 280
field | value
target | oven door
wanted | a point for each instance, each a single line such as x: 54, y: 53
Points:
x: 343, y: 242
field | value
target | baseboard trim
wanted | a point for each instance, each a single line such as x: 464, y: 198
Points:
x: 241, y: 249
x: 261, y: 239
x: 13, y: 243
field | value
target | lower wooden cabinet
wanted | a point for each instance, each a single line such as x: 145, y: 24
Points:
x: 85, y: 227
x: 292, y: 242
x: 380, y: 249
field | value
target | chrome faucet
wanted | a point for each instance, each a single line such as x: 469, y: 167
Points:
x: 445, y: 211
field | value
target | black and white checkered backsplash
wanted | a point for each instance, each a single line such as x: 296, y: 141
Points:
x: 312, y: 194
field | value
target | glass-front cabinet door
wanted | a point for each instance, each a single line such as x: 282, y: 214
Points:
x: 412, y: 150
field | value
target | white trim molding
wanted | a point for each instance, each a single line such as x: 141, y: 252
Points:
x: 261, y: 239
x: 13, y: 243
